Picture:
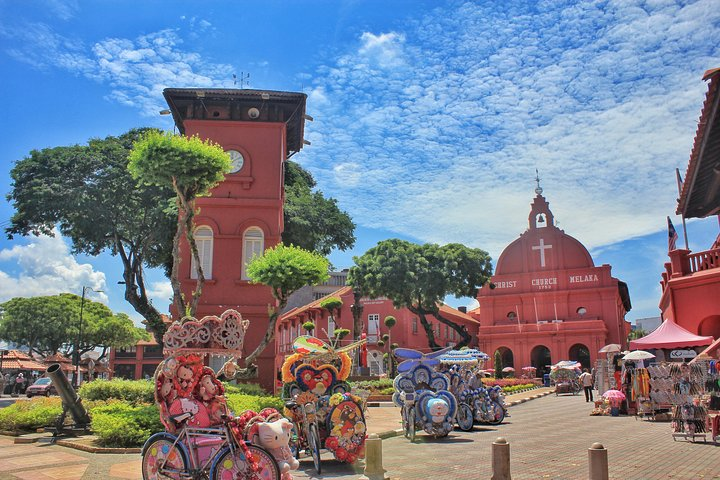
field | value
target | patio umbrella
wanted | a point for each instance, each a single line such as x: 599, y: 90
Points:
x: 529, y: 368
x: 638, y: 355
x: 508, y: 369
x: 611, y: 348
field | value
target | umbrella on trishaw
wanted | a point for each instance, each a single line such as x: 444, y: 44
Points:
x: 615, y: 397
x: 508, y: 370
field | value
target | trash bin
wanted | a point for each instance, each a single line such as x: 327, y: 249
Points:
x: 546, y: 380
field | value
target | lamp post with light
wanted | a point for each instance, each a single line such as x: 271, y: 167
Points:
x: 80, y: 332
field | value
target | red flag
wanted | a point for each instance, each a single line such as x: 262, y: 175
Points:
x: 672, y: 236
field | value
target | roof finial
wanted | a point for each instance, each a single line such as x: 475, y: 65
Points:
x: 538, y: 190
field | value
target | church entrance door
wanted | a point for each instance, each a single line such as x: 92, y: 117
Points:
x: 540, y: 359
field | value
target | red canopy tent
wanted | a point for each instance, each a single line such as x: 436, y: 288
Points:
x: 670, y: 335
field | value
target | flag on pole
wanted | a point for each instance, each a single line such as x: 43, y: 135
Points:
x: 672, y: 236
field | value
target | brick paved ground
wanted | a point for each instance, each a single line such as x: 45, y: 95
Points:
x: 548, y: 437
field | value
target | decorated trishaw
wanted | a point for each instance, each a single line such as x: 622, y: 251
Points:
x: 319, y: 402
x: 565, y: 376
x: 423, y: 394
x: 476, y: 403
x: 203, y: 440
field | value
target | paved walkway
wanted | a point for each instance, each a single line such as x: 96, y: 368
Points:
x: 548, y: 437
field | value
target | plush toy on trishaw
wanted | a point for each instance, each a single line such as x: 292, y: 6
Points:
x: 319, y: 402
x: 565, y: 375
x: 202, y: 439
x: 476, y: 403
x: 423, y: 395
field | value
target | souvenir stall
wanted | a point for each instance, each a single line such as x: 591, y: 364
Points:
x: 605, y: 368
x: 711, y: 357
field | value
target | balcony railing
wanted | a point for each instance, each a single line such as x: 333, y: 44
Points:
x: 704, y: 260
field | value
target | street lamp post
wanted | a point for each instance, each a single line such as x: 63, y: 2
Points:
x: 80, y: 332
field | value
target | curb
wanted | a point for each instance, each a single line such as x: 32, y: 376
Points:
x: 91, y: 449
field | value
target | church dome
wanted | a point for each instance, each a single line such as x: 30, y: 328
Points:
x: 543, y: 247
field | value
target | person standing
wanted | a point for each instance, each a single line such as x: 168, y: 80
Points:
x: 587, y: 382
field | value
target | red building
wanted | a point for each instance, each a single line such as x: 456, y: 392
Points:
x: 244, y: 214
x: 548, y: 301
x: 407, y: 332
x: 136, y: 362
x: 691, y: 281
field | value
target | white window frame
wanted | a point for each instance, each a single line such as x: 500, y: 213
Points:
x: 374, y: 320
x: 204, y: 240
x: 331, y: 326
x: 414, y: 325
x: 253, y: 245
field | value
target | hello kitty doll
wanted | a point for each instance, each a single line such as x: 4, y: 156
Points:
x: 275, y: 437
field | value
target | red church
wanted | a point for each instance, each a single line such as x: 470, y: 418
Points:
x: 548, y: 301
x: 244, y: 215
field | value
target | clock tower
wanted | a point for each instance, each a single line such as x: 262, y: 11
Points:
x: 243, y: 216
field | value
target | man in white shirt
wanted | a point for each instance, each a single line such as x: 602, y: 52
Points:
x: 587, y: 382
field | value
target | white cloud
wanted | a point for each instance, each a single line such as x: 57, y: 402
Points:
x: 160, y: 293
x: 45, y: 267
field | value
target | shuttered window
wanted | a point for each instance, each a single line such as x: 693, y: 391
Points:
x: 253, y: 246
x: 204, y: 241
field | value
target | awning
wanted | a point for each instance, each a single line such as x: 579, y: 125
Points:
x: 670, y: 335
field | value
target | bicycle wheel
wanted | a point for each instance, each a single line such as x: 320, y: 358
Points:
x: 496, y: 413
x: 236, y: 465
x: 465, y: 417
x: 314, y: 444
x: 160, y: 460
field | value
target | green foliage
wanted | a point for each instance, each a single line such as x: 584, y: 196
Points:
x: 635, y: 334
x: 246, y: 389
x: 380, y: 343
x: 286, y: 269
x: 385, y: 337
x: 309, y: 326
x: 131, y: 391
x: 419, y: 277
x: 87, y: 192
x: 341, y: 333
x: 30, y: 414
x: 372, y: 385
x: 312, y: 221
x: 118, y: 424
x: 390, y: 321
x: 238, y: 403
x: 191, y: 165
x: 46, y: 324
x: 331, y: 304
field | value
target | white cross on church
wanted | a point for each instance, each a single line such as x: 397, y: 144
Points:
x: 542, y: 248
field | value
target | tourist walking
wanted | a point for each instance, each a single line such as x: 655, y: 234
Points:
x: 587, y: 382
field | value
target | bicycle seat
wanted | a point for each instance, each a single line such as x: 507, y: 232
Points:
x: 291, y: 404
x: 179, y: 419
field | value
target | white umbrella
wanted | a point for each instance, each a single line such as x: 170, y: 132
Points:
x: 611, y: 348
x: 638, y: 355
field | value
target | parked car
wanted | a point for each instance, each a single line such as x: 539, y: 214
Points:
x: 42, y: 386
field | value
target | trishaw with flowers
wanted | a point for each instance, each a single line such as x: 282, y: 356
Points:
x: 202, y: 439
x: 319, y: 401
x: 565, y: 376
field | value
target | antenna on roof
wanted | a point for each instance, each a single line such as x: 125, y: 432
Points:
x: 244, y: 79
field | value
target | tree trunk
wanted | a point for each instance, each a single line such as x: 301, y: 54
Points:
x: 270, y: 334
x: 357, y: 310
x: 428, y: 328
x: 178, y: 300
x: 466, y: 337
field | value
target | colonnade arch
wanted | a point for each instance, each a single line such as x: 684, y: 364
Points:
x: 580, y: 353
x: 507, y: 357
x: 710, y: 326
x: 541, y: 359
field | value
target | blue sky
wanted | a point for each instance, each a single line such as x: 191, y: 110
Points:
x: 430, y: 117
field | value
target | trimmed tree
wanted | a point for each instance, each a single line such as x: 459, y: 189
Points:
x: 498, y: 364
x: 284, y: 269
x: 191, y: 167
x: 419, y: 277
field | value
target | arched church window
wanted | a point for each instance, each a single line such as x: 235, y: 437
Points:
x: 204, y: 241
x: 581, y: 311
x: 253, y: 246
x: 511, y: 315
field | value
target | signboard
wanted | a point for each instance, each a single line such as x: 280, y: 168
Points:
x: 677, y: 354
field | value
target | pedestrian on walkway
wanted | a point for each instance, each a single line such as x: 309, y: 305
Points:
x: 587, y: 383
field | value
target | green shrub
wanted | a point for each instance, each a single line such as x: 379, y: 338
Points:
x: 132, y: 391
x: 387, y: 391
x: 118, y: 424
x: 30, y: 414
x: 245, y: 389
x: 373, y: 385
x: 238, y: 403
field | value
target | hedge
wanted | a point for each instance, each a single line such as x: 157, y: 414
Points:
x: 118, y: 424
x: 132, y: 391
x: 30, y: 414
